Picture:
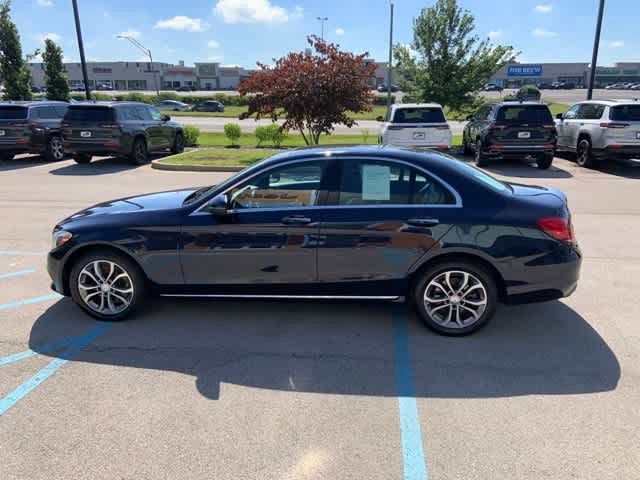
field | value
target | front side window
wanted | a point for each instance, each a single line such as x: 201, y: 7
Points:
x: 590, y: 111
x: 289, y: 186
x: 378, y: 182
x: 155, y: 114
x: 571, y: 113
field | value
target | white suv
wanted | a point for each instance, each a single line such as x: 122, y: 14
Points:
x: 600, y: 129
x: 416, y: 125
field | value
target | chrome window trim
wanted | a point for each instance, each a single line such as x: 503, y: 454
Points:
x: 453, y: 191
x: 302, y: 297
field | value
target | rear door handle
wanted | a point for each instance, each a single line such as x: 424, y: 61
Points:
x: 423, y: 222
x: 296, y: 220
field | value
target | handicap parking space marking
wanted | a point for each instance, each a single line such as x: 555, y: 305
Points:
x: 415, y: 467
x: 74, y: 347
x: 29, y: 301
x: 19, y: 273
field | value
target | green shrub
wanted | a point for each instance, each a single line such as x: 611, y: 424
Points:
x: 262, y: 134
x: 191, y: 135
x: 381, y: 100
x: 233, y: 132
x: 273, y: 134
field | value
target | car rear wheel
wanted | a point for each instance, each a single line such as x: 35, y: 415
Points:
x: 178, y: 144
x: 584, y: 157
x: 55, y: 149
x: 106, y: 285
x: 456, y: 298
x: 480, y: 159
x: 544, y: 161
x: 466, y: 148
x: 82, y: 158
x: 139, y: 154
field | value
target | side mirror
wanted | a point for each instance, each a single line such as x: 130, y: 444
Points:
x: 380, y: 118
x: 559, y: 116
x: 219, y: 205
x: 166, y: 118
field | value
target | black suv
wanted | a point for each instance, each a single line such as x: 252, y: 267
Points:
x: 124, y: 129
x: 31, y: 127
x: 511, y: 130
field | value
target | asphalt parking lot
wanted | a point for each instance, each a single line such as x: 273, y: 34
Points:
x: 298, y: 390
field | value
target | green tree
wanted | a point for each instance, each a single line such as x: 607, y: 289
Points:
x: 14, y: 72
x: 447, y: 62
x: 56, y: 78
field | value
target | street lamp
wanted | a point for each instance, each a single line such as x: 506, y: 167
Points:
x: 81, y: 48
x: 596, y: 45
x: 147, y: 52
x: 322, y: 20
x: 390, y: 64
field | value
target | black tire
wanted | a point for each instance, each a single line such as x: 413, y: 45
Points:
x: 467, y: 323
x: 466, y: 149
x: 5, y: 157
x: 544, y: 161
x: 584, y: 156
x: 178, y: 144
x: 480, y: 158
x: 55, y: 149
x: 139, y: 153
x: 82, y: 158
x: 135, y: 274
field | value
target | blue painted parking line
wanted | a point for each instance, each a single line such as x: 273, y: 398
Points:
x: 29, y: 301
x: 19, y: 273
x: 52, y: 367
x: 415, y: 467
x: 16, y: 357
x: 20, y: 253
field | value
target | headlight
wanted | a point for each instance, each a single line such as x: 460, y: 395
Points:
x: 60, y: 237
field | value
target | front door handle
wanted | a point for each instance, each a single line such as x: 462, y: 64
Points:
x: 423, y: 222
x: 296, y: 220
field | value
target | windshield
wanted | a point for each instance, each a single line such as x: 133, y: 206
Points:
x: 419, y: 115
x: 524, y: 114
x: 13, y: 113
x: 626, y: 113
x: 89, y: 114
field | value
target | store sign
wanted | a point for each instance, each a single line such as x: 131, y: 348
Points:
x: 524, y: 71
x: 102, y: 70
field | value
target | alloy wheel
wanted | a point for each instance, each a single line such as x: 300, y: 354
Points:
x: 455, y: 299
x: 105, y: 287
x: 141, y: 152
x: 583, y: 153
x: 56, y: 148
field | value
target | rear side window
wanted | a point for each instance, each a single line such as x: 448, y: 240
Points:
x: 590, y: 111
x: 378, y: 182
x: 419, y: 115
x: 89, y: 114
x: 625, y: 113
x: 524, y: 114
x: 13, y: 113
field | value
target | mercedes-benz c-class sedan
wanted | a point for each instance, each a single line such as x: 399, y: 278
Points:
x: 360, y: 223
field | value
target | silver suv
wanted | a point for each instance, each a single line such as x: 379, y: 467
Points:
x: 600, y: 129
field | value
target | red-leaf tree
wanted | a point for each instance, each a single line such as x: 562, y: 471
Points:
x: 313, y: 91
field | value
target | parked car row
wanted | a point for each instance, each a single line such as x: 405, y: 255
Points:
x: 624, y: 86
x: 204, y: 106
x: 83, y: 130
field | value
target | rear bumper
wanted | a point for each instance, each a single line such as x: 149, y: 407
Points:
x: 24, y: 147
x: 622, y: 151
x: 95, y: 148
x: 518, y: 151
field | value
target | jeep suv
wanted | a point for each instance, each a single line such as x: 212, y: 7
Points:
x: 421, y: 125
x: 125, y: 129
x: 31, y: 127
x: 599, y: 130
x: 511, y: 130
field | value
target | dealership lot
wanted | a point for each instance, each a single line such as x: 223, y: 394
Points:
x: 296, y: 390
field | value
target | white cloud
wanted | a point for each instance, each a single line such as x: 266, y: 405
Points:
x: 215, y: 58
x: 180, y: 22
x: 544, y: 8
x: 253, y: 11
x: 542, y: 33
x: 298, y: 12
x: 213, y: 44
x: 51, y: 36
x: 615, y: 44
x: 129, y: 33
x: 495, y: 34
x: 45, y: 3
x: 340, y: 32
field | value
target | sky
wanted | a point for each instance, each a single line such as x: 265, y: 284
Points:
x: 241, y: 32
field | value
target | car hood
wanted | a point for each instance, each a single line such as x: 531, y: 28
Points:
x: 150, y: 202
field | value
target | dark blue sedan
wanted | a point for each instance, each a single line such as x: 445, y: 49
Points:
x: 375, y: 223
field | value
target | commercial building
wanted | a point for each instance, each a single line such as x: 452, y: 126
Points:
x: 518, y: 74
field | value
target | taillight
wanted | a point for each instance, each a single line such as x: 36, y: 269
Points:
x: 614, y: 125
x: 559, y: 228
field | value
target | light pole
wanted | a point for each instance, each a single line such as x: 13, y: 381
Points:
x: 390, y: 64
x: 322, y: 20
x: 87, y: 91
x: 147, y: 52
x: 594, y: 58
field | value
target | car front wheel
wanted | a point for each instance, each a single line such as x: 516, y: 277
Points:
x: 456, y: 298
x: 55, y: 149
x: 106, y: 285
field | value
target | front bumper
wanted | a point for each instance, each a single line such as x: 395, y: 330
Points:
x: 56, y: 260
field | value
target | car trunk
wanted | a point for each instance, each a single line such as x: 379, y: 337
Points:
x: 524, y: 125
x: 419, y: 127
x: 624, y: 127
x: 14, y: 126
x: 90, y: 124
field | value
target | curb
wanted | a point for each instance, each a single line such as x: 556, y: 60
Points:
x: 158, y: 165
